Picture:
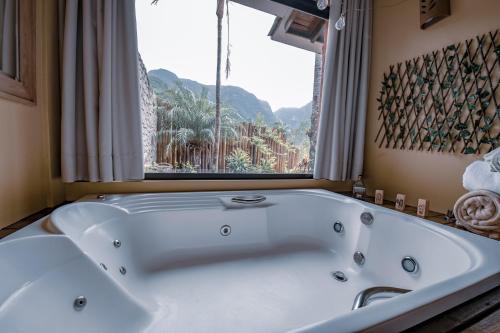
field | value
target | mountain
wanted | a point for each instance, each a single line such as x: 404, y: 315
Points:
x: 294, y: 117
x: 246, y: 104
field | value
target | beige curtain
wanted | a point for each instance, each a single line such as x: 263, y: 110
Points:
x: 341, y: 131
x: 101, y: 120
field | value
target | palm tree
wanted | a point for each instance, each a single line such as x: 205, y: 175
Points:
x: 220, y: 16
x: 217, y: 130
x: 189, y: 119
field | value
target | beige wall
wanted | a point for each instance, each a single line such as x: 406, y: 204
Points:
x: 397, y: 37
x: 28, y: 178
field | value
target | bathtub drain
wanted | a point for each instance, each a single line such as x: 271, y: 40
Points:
x: 339, y: 276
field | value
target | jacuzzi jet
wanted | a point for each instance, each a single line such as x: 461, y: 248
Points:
x: 225, y: 230
x: 117, y: 243
x: 123, y: 270
x: 359, y: 258
x: 339, y: 276
x: 79, y: 303
x: 409, y: 264
x: 338, y: 227
x: 366, y: 218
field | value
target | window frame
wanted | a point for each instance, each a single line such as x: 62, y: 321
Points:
x: 225, y: 176
x: 301, y: 5
x: 22, y: 88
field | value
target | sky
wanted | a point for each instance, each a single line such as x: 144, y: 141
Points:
x: 181, y: 36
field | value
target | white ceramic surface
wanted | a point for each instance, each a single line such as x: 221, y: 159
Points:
x: 271, y: 274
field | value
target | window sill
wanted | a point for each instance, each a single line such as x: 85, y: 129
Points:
x: 223, y: 176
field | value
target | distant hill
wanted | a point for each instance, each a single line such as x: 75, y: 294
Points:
x: 246, y: 104
x: 294, y: 117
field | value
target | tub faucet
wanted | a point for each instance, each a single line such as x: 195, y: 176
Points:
x: 366, y: 295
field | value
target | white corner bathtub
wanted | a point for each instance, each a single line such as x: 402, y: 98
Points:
x: 199, y: 262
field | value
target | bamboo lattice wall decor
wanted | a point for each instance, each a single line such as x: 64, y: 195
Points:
x: 447, y: 100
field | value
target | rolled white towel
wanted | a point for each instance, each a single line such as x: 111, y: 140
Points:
x: 478, y: 176
x: 479, y: 212
x: 493, y: 159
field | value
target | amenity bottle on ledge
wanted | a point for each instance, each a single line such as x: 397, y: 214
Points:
x: 359, y: 188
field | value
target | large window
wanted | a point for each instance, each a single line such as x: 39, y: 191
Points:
x: 270, y: 69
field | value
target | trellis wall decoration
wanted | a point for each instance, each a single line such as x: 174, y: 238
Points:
x: 447, y: 100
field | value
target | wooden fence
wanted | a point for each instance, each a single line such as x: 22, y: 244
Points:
x: 200, y: 156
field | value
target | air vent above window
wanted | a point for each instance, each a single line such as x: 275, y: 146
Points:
x: 432, y: 11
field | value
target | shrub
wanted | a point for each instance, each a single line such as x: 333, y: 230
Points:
x: 238, y: 161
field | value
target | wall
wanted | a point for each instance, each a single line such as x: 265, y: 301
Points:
x: 148, y: 115
x: 397, y: 37
x: 28, y: 133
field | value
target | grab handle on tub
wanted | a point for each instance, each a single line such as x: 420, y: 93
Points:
x: 364, y: 296
x: 248, y: 199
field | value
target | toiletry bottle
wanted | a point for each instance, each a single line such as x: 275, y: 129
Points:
x: 359, y: 188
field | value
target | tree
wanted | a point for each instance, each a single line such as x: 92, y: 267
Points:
x: 189, y: 118
x: 217, y: 129
x: 220, y: 16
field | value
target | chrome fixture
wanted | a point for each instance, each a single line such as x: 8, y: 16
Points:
x: 79, y: 303
x: 248, y: 199
x: 409, y: 264
x: 117, y: 243
x: 123, y: 270
x: 225, y: 230
x: 338, y: 227
x: 365, y: 296
x: 359, y: 258
x: 322, y: 4
x: 101, y: 197
x: 366, y: 218
x: 340, y: 24
x: 104, y: 266
x: 339, y: 276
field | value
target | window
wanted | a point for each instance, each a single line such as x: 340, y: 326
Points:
x: 271, y: 66
x: 17, y: 47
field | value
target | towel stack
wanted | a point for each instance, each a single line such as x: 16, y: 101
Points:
x: 479, y: 210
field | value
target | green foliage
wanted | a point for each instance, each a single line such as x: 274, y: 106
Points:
x: 448, y: 96
x: 190, y: 118
x: 266, y: 165
x: 260, y: 144
x: 469, y: 150
x: 259, y: 120
x: 238, y: 161
x: 185, y: 167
